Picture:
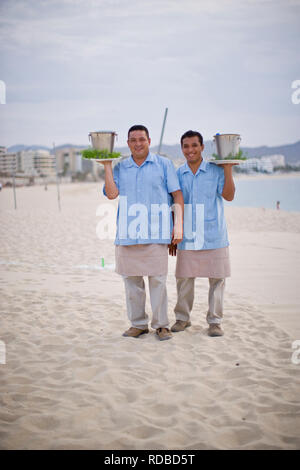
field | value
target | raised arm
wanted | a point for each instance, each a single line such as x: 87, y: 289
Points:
x: 110, y: 186
x: 229, y: 187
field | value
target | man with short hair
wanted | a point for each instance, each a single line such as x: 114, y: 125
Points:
x: 204, y: 250
x: 146, y: 184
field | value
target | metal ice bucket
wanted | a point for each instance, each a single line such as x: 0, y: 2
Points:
x: 103, y: 140
x: 227, y: 144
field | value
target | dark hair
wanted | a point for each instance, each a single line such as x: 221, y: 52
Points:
x: 138, y: 127
x: 192, y: 134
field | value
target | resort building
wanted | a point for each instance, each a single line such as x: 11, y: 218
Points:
x: 36, y: 162
x: 69, y: 160
x: 8, y: 162
x: 265, y: 164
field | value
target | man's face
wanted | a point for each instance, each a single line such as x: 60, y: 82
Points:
x: 192, y: 149
x: 139, y: 144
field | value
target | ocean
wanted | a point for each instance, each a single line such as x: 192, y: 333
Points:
x: 265, y: 192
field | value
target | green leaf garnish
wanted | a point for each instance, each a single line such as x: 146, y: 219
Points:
x: 99, y: 154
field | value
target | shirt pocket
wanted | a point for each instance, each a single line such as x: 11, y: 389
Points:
x: 209, y: 191
x: 209, y: 188
x: 210, y: 229
x: 158, y: 186
x: 126, y: 182
x: 157, y: 177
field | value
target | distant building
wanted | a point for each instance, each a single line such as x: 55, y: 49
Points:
x: 44, y: 163
x: 278, y: 160
x: 8, y: 162
x: 69, y: 160
x: 265, y: 164
x: 36, y: 162
x: 26, y: 163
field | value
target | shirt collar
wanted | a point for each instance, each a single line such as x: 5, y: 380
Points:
x: 130, y: 162
x: 202, y: 167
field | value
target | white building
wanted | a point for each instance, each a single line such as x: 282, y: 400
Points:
x: 8, y: 162
x: 69, y: 160
x: 277, y: 160
x: 36, y: 162
x: 26, y: 163
x: 44, y: 162
x: 265, y: 163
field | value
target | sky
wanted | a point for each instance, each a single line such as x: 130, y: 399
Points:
x: 75, y: 66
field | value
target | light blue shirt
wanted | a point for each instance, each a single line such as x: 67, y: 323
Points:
x: 144, y: 214
x: 204, y: 221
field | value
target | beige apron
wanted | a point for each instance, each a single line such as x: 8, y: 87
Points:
x: 203, y: 263
x: 142, y: 260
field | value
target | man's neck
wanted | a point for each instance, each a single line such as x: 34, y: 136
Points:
x: 139, y: 161
x: 194, y: 166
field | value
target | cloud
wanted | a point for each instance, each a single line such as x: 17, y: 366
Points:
x: 117, y: 62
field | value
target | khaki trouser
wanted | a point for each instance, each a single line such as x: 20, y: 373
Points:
x: 136, y: 300
x: 185, y: 299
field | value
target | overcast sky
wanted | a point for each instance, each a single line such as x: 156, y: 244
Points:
x: 74, y: 66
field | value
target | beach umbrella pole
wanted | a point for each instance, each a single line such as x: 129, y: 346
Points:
x: 57, y: 180
x: 58, y: 193
x: 14, y: 189
x: 162, y: 131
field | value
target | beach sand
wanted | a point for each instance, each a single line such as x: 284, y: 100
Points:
x: 71, y: 381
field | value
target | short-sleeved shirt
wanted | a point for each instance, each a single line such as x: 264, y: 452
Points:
x: 144, y: 211
x: 204, y: 221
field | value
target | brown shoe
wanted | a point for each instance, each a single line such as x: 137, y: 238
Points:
x: 215, y: 329
x: 163, y: 334
x: 180, y: 325
x: 135, y: 332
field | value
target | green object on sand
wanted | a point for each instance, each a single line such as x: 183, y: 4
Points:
x: 102, y: 262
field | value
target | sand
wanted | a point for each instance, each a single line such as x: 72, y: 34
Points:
x: 71, y: 381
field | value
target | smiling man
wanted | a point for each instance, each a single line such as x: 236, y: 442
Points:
x: 204, y: 249
x: 147, y: 184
